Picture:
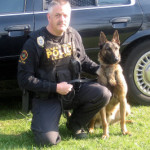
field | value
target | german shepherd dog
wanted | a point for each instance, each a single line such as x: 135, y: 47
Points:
x: 111, y: 76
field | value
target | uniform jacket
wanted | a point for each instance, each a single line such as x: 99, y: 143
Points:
x: 44, y: 60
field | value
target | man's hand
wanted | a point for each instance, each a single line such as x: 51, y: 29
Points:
x: 63, y: 88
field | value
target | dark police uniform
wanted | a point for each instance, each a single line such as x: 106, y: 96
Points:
x: 44, y: 62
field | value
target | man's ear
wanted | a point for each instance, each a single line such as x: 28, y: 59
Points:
x: 48, y: 16
x: 116, y: 37
x: 102, y: 39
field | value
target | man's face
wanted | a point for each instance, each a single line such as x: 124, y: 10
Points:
x: 59, y: 19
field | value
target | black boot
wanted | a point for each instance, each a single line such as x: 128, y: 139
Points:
x: 77, y: 131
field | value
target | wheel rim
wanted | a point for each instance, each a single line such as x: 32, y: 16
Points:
x: 142, y: 74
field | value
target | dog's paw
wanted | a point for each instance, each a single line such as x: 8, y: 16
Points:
x: 126, y: 133
x: 112, y: 82
x: 105, y: 136
x: 91, y: 130
x: 130, y: 121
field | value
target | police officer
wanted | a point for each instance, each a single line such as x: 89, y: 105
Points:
x: 45, y: 69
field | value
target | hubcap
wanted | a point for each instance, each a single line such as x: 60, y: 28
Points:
x: 142, y: 74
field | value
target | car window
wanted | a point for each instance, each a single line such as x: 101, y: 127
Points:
x: 82, y: 2
x: 11, y: 6
x: 111, y: 2
x: 74, y: 3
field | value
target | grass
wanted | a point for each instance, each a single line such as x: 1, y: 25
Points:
x: 15, y: 133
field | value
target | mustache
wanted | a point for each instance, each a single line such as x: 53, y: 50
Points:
x: 61, y: 23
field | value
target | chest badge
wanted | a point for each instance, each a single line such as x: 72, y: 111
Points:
x: 40, y: 41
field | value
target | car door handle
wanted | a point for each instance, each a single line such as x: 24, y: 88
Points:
x: 121, y: 20
x: 17, y: 28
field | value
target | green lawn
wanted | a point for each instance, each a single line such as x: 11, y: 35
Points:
x: 15, y: 133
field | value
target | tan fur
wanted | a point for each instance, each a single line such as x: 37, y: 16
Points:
x: 111, y: 76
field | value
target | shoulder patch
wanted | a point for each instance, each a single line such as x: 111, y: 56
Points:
x: 23, y: 56
x: 40, y: 41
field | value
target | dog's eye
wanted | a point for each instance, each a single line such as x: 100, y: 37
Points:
x: 108, y: 48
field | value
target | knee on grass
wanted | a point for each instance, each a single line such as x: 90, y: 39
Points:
x: 48, y: 138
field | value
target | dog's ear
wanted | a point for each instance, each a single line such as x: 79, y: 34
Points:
x: 102, y: 39
x: 116, y: 37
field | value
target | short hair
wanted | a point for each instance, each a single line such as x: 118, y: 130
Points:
x: 57, y: 2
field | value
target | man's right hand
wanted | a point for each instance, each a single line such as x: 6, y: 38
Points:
x: 64, y: 88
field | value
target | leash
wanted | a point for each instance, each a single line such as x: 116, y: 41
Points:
x: 62, y: 99
x: 70, y: 96
x: 84, y: 80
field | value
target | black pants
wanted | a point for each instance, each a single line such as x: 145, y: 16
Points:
x: 46, y: 112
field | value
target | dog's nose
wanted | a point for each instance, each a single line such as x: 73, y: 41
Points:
x: 116, y: 59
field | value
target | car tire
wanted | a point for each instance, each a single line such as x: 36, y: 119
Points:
x: 137, y: 72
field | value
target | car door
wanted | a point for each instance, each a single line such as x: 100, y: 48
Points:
x: 107, y: 16
x: 16, y: 21
x: 90, y: 17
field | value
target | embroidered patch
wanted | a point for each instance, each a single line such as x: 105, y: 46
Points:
x: 24, y: 55
x: 59, y: 52
x: 40, y: 41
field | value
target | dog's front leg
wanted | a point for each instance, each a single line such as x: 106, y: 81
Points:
x: 104, y: 123
x: 91, y: 125
x: 123, y: 106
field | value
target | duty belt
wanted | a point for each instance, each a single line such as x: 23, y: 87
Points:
x: 45, y: 95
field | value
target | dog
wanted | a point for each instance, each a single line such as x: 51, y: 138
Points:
x: 111, y: 76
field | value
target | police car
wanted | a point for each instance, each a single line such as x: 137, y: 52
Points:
x: 89, y: 17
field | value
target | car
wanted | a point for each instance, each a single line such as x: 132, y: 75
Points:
x: 19, y: 18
